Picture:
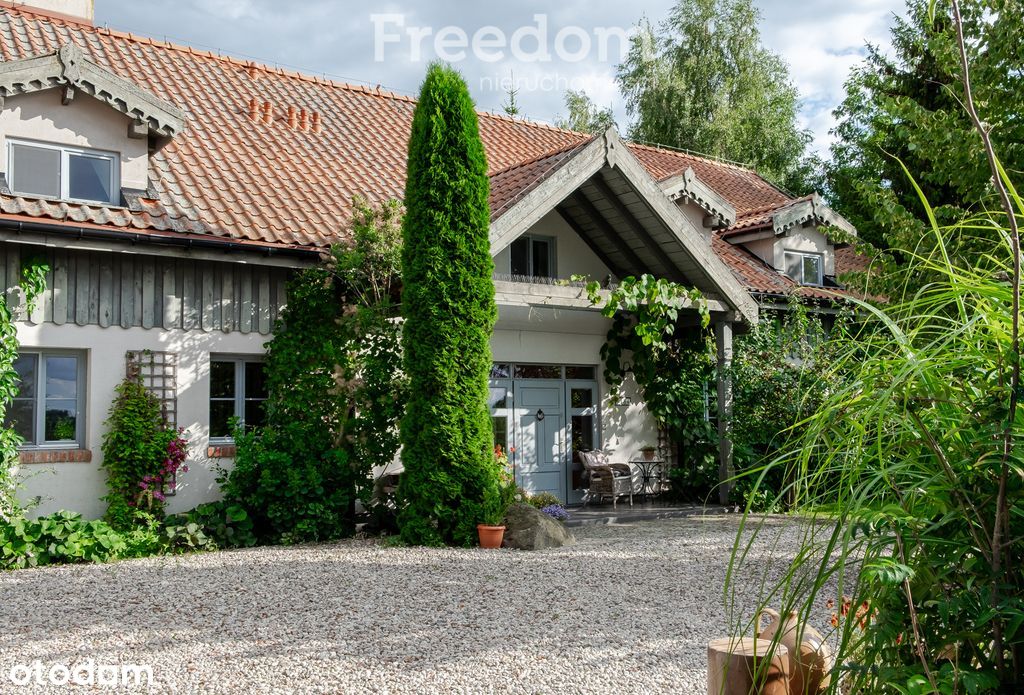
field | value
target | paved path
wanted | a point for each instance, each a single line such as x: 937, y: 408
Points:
x: 629, y: 609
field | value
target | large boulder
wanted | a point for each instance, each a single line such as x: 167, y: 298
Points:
x: 528, y: 528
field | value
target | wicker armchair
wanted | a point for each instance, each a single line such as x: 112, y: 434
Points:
x: 613, y: 480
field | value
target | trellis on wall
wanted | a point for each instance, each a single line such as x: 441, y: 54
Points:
x: 158, y: 373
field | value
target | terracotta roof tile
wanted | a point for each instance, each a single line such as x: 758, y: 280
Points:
x: 267, y: 183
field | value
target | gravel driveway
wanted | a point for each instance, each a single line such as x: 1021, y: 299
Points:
x: 630, y: 608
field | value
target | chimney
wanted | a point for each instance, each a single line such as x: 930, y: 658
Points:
x: 268, y: 112
x: 292, y: 118
x: 79, y: 10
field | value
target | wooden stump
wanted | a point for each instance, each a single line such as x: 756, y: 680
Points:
x: 738, y: 667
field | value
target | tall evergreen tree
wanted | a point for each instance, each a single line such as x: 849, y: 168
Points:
x: 450, y: 483
x: 702, y: 81
x: 907, y: 108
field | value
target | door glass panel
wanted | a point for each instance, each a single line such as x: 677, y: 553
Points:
x: 498, y: 397
x: 538, y: 371
x: 582, y: 373
x: 35, y: 170
x: 501, y: 371
x: 582, y: 398
x: 500, y: 426
x: 582, y: 440
x: 89, y: 178
x: 520, y: 254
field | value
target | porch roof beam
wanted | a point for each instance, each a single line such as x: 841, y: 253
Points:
x: 590, y: 210
x: 598, y: 251
x: 666, y: 263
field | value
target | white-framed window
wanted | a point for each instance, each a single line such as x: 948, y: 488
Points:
x: 48, y: 411
x: 64, y: 172
x: 533, y: 256
x: 805, y: 268
x: 238, y: 389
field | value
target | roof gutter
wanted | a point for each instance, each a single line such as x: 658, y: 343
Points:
x: 176, y: 241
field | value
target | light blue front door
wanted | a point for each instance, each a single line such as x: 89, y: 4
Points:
x: 541, y: 455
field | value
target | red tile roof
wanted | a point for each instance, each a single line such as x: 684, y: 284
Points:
x: 269, y: 183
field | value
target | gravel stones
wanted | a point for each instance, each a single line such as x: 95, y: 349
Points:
x: 628, y: 609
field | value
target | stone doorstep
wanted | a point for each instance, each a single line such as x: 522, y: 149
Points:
x: 31, y: 456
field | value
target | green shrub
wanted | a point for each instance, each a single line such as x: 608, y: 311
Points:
x: 542, y: 499
x: 60, y: 538
x: 227, y: 525
x: 141, y: 454
x: 450, y: 483
x: 335, y: 393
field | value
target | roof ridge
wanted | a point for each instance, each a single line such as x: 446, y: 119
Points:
x: 691, y: 155
x: 550, y: 153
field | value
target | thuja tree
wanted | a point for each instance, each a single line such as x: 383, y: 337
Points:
x: 335, y: 390
x: 33, y: 282
x: 451, y: 480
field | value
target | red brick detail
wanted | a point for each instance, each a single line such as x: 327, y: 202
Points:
x: 56, y: 456
x: 221, y: 451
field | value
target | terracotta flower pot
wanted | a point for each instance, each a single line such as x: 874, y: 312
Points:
x: 490, y: 536
x: 648, y: 454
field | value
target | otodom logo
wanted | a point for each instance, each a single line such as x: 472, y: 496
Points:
x: 86, y: 673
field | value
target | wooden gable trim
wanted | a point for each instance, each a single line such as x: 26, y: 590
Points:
x: 68, y: 68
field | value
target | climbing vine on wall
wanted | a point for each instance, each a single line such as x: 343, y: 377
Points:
x: 670, y: 365
x: 32, y: 284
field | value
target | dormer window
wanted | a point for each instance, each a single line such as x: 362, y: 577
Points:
x: 805, y: 268
x: 64, y: 172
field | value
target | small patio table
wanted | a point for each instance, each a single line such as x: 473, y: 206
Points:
x: 650, y: 472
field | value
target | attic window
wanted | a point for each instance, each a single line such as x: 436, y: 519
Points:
x: 68, y: 173
x: 805, y: 268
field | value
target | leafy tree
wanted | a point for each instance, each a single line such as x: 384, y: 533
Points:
x: 702, y: 81
x: 584, y: 116
x: 906, y: 110
x: 451, y: 479
x: 335, y: 391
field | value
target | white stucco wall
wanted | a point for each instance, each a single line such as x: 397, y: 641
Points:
x: 79, y: 486
x: 85, y: 122
x: 572, y: 255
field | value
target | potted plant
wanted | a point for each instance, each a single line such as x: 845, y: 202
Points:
x: 648, y: 451
x: 491, y: 531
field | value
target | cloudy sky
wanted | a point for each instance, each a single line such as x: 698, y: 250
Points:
x: 390, y: 42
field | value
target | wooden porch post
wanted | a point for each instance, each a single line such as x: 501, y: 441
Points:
x: 723, y: 341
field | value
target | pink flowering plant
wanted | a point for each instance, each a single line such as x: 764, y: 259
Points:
x: 142, y: 455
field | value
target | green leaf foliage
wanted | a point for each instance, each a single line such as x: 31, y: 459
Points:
x: 702, y: 81
x: 583, y: 115
x: 33, y: 282
x: 450, y: 483
x: 136, y: 448
x: 903, y: 111
x: 336, y: 392
x: 903, y: 466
